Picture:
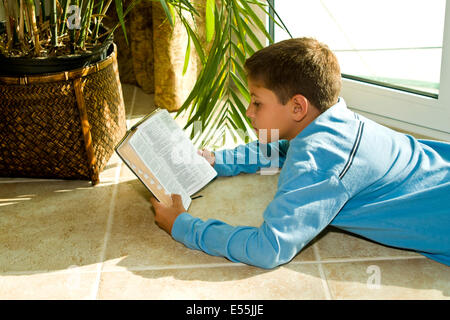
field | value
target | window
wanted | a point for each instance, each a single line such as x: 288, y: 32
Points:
x: 392, y: 55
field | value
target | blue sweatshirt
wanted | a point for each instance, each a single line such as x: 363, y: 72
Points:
x: 342, y: 170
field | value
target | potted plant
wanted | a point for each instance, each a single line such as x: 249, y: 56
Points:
x: 60, y: 93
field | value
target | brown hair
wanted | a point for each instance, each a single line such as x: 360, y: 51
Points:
x: 298, y: 66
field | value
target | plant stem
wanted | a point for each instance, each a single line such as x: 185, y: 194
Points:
x: 105, y: 9
x: 64, y: 17
x: 31, y: 15
x: 98, y: 21
x: 53, y: 24
x: 40, y: 7
x: 20, y: 32
x: 8, y: 25
x: 85, y: 23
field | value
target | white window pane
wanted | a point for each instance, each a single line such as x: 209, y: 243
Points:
x: 394, y: 41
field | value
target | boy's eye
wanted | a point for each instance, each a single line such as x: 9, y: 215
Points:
x: 256, y: 104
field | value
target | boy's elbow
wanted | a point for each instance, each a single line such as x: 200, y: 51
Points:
x: 272, y: 261
x: 269, y: 260
x: 260, y: 248
x: 268, y: 264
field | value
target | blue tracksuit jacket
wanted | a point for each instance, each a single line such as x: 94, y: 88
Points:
x: 342, y: 170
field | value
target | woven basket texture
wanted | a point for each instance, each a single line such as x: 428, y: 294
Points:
x: 40, y: 127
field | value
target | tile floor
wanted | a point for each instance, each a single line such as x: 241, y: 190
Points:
x: 67, y: 240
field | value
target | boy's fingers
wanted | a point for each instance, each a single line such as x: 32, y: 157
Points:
x: 176, y: 197
x: 154, y: 201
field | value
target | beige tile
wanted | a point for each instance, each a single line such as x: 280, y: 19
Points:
x: 240, y: 201
x: 399, y: 279
x: 135, y: 240
x: 236, y: 282
x: 73, y: 284
x: 336, y: 244
x: 52, y: 225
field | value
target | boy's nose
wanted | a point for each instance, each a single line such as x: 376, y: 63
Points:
x: 249, y: 113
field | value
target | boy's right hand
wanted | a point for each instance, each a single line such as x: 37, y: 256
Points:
x: 208, y: 155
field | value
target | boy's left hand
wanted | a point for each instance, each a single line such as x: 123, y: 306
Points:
x: 165, y: 215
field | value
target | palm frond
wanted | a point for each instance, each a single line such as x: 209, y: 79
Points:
x: 217, y: 101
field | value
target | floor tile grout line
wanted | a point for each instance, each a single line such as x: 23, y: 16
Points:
x: 109, y: 223
x: 49, y: 272
x: 96, y: 286
x: 230, y: 264
x: 209, y: 265
x: 322, y: 273
x: 368, y: 259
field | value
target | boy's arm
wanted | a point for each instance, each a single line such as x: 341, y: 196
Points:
x: 292, y: 219
x: 250, y: 157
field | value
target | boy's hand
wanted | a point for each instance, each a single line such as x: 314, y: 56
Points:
x: 165, y: 215
x: 208, y: 155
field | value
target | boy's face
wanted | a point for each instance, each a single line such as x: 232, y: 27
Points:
x: 270, y: 119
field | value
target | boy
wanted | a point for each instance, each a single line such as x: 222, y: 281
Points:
x: 338, y: 168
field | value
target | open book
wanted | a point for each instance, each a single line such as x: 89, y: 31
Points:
x: 164, y: 159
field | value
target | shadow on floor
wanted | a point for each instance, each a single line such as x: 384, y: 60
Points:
x: 58, y: 225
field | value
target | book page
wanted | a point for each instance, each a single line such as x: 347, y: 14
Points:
x: 166, y: 147
x: 134, y: 162
x: 158, y: 167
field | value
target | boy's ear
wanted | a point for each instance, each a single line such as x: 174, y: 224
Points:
x: 299, y: 107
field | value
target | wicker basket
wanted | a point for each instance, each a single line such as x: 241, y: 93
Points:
x: 62, y: 125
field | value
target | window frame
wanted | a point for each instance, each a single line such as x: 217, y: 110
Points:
x: 408, y: 110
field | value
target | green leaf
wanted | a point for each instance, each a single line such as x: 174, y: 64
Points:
x: 187, y: 55
x: 119, y: 10
x: 239, y: 68
x: 239, y: 53
x: 252, y: 36
x: 198, y: 46
x: 255, y: 19
x: 216, y: 126
x: 167, y: 11
x: 271, y: 17
x: 242, y: 89
x: 210, y: 6
x: 240, y: 33
x: 240, y: 106
x: 237, y: 118
x: 276, y: 14
x: 248, y: 50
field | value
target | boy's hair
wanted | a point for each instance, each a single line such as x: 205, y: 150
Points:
x: 298, y: 66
